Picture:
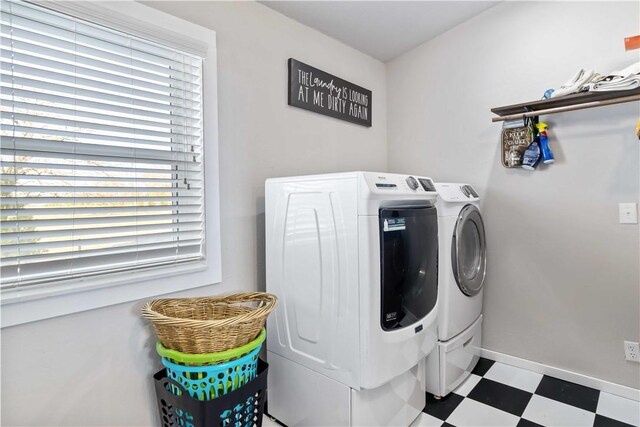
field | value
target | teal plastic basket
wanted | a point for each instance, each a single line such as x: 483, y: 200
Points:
x: 211, y: 381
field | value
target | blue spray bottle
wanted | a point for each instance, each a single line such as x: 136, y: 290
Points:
x: 531, y: 156
x: 547, y: 155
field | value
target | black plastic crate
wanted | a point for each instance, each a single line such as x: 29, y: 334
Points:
x: 243, y: 407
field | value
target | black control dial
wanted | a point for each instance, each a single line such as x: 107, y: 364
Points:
x: 412, y: 183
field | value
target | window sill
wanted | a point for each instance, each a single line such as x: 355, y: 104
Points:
x: 72, y: 296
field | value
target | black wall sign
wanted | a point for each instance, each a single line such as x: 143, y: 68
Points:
x: 315, y: 90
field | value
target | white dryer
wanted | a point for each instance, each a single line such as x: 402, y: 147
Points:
x: 462, y: 269
x: 353, y: 260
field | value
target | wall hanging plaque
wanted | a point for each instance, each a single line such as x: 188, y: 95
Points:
x: 516, y: 137
x: 323, y: 93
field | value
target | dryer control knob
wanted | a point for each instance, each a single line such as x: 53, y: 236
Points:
x: 412, y: 183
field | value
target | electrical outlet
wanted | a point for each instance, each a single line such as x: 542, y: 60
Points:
x: 628, y: 213
x: 632, y: 351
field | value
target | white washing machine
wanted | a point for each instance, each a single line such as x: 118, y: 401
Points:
x: 353, y: 260
x: 462, y: 269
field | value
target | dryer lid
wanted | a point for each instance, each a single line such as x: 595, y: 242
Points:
x: 469, y: 251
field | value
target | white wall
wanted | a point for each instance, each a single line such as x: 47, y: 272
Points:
x: 563, y: 285
x: 94, y: 368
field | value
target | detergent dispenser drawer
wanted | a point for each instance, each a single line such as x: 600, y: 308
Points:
x: 409, y: 264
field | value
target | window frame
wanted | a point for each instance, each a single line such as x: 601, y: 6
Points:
x: 37, y: 302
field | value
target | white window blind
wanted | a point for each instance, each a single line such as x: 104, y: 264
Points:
x: 101, y: 149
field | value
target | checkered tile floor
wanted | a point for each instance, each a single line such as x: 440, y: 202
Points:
x: 496, y: 394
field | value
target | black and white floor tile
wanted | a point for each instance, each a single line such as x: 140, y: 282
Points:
x: 496, y: 394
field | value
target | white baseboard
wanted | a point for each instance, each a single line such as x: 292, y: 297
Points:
x: 574, y: 377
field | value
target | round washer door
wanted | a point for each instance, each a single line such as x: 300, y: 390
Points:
x: 469, y: 251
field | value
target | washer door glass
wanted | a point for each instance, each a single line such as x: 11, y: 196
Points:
x: 409, y: 264
x: 469, y: 251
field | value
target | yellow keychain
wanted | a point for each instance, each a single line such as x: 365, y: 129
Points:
x: 638, y: 129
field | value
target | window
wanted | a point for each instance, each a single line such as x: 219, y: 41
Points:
x: 101, y: 150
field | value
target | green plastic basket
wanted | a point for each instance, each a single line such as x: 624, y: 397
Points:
x: 210, y: 358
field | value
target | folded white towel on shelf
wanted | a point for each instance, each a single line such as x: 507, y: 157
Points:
x: 589, y: 86
x: 626, y: 79
x: 574, y: 84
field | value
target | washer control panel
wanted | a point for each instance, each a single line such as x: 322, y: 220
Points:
x: 399, y: 184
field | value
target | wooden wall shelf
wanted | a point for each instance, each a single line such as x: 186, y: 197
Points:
x: 578, y: 101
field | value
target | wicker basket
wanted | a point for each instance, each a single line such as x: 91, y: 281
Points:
x: 211, y: 324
